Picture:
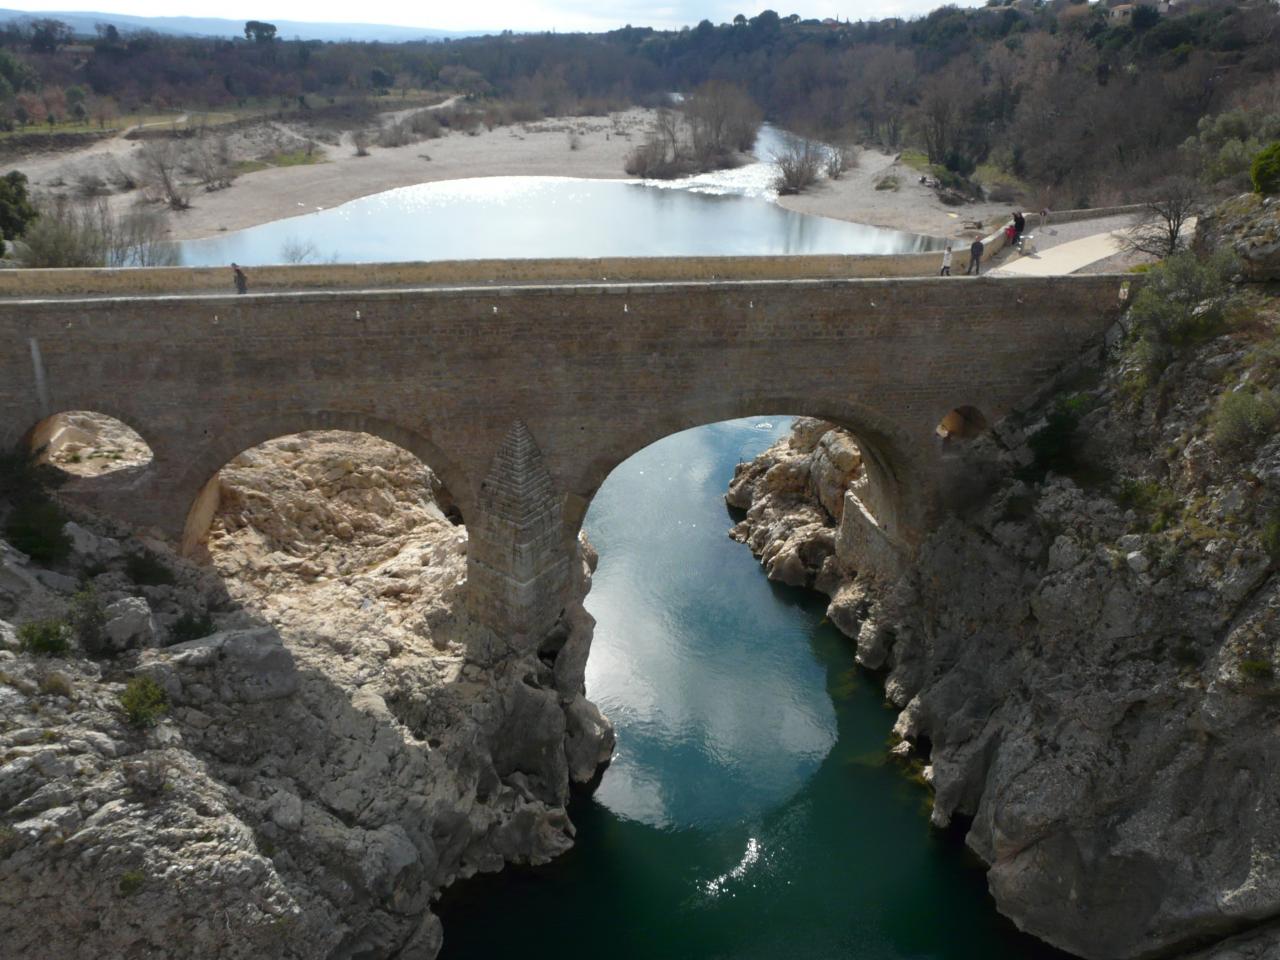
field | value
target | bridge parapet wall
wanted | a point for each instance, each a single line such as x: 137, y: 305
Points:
x: 125, y: 282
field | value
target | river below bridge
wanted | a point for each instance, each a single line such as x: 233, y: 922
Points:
x: 750, y: 811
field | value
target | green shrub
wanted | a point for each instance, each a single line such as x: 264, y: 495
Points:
x: 1243, y: 419
x: 1271, y: 536
x: 146, y: 571
x: 89, y: 621
x: 144, y: 702
x: 1183, y: 300
x: 35, y: 528
x: 1056, y: 445
x: 1159, y: 505
x: 131, y: 881
x: 45, y: 637
x: 35, y: 522
x: 1265, y: 170
x: 191, y: 626
x: 1257, y: 669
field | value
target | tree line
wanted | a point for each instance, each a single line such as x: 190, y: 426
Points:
x: 1080, y: 102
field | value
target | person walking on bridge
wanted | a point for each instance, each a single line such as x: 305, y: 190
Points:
x: 946, y: 261
x: 242, y: 282
x: 975, y: 258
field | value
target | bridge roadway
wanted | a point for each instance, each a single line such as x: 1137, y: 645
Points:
x: 522, y: 397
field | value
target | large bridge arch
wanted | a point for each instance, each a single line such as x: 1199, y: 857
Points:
x: 898, y: 464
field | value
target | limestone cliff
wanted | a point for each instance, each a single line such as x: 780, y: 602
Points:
x: 1085, y: 650
x: 340, y: 741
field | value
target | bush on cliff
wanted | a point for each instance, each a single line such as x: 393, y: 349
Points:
x: 1265, y: 170
x: 89, y: 621
x: 1183, y: 300
x: 1243, y: 419
x: 1056, y: 445
x: 34, y: 524
x: 44, y: 637
x: 144, y: 702
x: 1271, y: 536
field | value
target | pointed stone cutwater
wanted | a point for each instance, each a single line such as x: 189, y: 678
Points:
x: 518, y: 569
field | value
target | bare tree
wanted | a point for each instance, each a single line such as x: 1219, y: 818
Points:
x: 666, y: 129
x: 210, y: 160
x: 1172, y: 203
x: 140, y: 238
x: 298, y: 250
x: 89, y: 234
x: 722, y: 117
x: 160, y: 164
x: 839, y: 159
x: 798, y: 164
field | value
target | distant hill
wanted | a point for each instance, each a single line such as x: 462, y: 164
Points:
x: 83, y: 22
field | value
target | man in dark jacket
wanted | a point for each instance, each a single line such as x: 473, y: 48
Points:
x: 975, y: 258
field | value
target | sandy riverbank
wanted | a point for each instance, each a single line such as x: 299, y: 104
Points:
x: 588, y: 147
x: 912, y: 207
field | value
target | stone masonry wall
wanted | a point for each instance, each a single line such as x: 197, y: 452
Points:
x: 596, y: 372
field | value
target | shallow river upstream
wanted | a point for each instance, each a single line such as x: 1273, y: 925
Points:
x: 750, y: 811
x: 727, y: 212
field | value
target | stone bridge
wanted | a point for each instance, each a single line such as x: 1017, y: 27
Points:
x: 523, y: 397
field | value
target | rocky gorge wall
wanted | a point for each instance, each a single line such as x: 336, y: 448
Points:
x: 1084, y: 653
x: 340, y: 743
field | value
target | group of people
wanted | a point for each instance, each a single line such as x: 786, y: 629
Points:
x: 1012, y: 232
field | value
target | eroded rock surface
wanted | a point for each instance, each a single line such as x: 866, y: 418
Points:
x: 340, y: 741
x: 1088, y: 666
x: 1249, y: 226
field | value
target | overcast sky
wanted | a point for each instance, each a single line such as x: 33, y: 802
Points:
x: 495, y: 15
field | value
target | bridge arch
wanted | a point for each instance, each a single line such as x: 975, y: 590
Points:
x: 88, y: 443
x: 897, y: 464
x: 198, y: 489
x: 962, y: 423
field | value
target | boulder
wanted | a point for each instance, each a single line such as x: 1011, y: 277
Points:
x: 129, y: 624
x: 248, y: 665
x: 589, y: 740
x: 89, y: 547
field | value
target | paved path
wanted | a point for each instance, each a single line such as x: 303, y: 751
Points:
x: 1065, y: 258
x: 1071, y: 256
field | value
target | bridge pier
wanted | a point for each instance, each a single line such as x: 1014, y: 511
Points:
x: 517, y: 566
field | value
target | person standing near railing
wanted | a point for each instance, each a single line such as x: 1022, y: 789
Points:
x: 975, y: 258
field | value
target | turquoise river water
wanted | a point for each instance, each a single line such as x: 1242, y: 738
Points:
x: 750, y: 811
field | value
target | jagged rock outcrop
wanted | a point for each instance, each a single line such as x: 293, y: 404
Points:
x: 340, y: 741
x: 1249, y: 226
x: 801, y: 498
x: 1088, y: 664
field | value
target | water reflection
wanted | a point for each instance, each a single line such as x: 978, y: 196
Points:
x: 718, y: 718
